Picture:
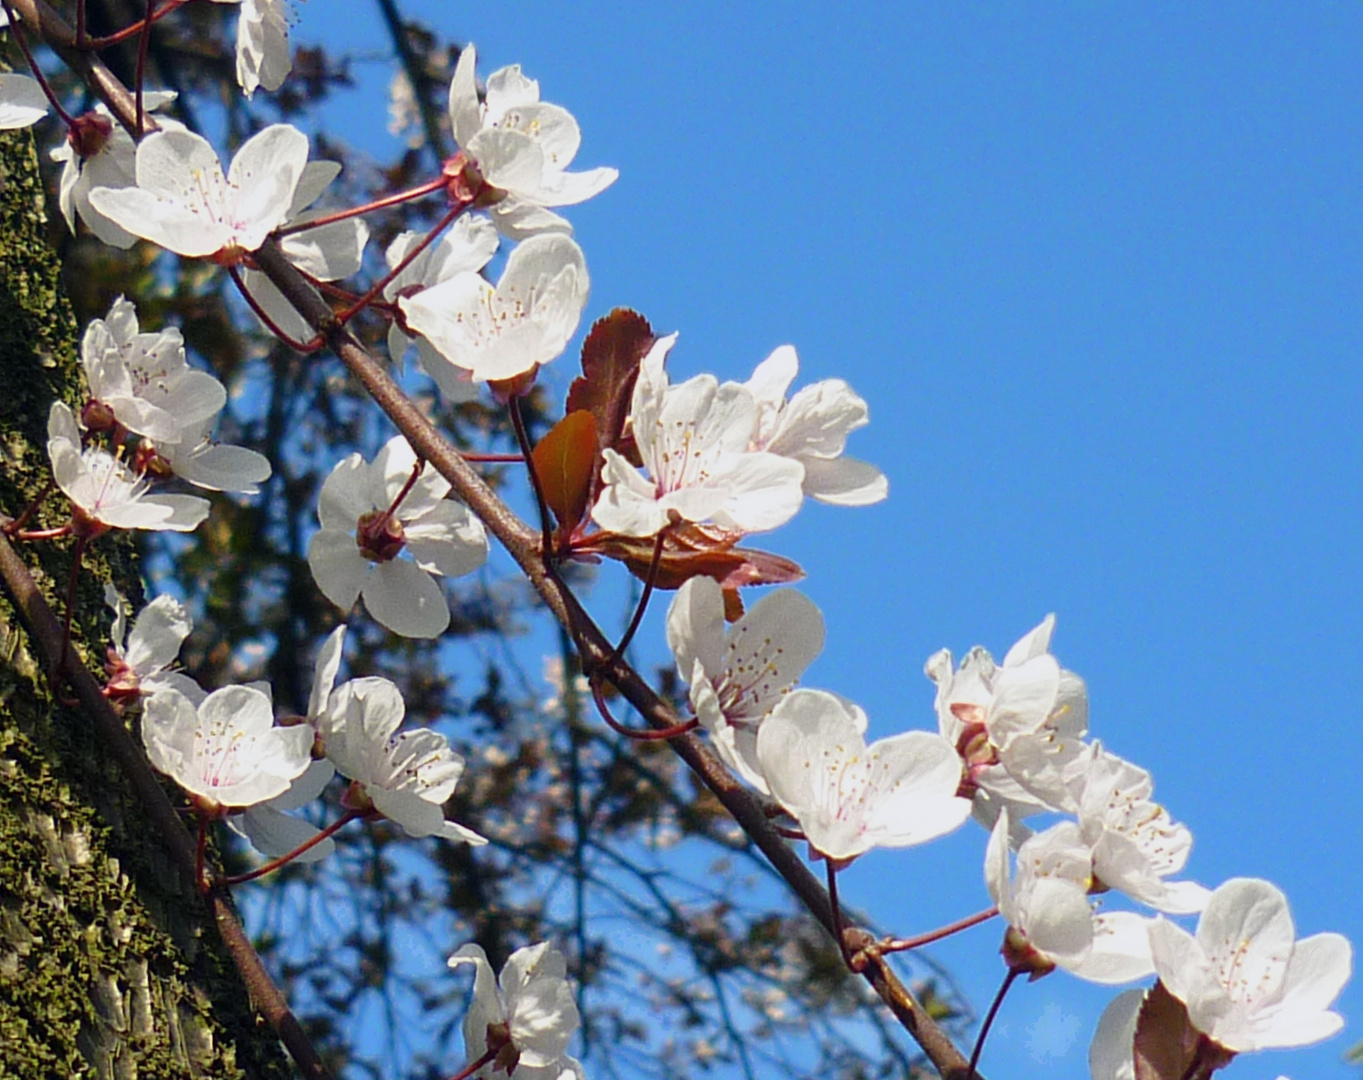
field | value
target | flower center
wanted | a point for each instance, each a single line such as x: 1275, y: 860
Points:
x: 380, y: 536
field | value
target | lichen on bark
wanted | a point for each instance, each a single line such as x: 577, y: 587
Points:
x: 109, y: 965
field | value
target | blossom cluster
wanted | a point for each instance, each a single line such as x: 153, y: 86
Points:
x: 706, y: 460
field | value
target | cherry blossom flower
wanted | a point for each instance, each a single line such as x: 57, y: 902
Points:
x: 522, y: 147
x: 183, y: 202
x: 507, y: 330
x: 356, y: 552
x: 467, y: 247
x: 1018, y: 726
x: 22, y: 101
x: 812, y: 428
x: 849, y: 797
x: 328, y: 252
x: 104, y: 492
x: 140, y: 658
x: 527, y: 1016
x: 228, y: 750
x: 405, y: 775
x: 1247, y: 981
x: 1134, y: 842
x: 268, y: 826
x: 143, y: 379
x: 98, y: 152
x: 1050, y: 919
x: 694, y: 442
x: 737, y: 677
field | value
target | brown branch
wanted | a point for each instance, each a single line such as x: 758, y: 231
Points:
x: 598, y: 655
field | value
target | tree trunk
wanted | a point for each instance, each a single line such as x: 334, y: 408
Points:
x: 109, y: 965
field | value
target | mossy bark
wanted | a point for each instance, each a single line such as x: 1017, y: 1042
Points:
x: 109, y: 966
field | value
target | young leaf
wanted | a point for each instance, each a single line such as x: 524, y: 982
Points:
x: 611, y: 356
x: 566, y: 461
x: 1167, y: 1046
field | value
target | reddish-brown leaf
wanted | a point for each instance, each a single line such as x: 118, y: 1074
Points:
x: 565, y: 461
x: 1167, y: 1045
x: 611, y: 356
x: 686, y: 555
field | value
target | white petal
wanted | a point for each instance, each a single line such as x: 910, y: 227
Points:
x: 338, y: 567
x: 22, y: 101
x: 407, y: 600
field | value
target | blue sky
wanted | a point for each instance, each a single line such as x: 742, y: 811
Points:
x: 1096, y: 269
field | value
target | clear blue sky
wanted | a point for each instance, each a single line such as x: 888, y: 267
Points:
x: 1096, y: 268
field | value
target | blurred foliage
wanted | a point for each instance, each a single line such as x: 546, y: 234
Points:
x: 690, y: 956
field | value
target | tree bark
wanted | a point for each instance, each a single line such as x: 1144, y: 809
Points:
x: 110, y: 966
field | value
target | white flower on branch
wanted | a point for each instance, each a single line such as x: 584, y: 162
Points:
x: 812, y: 428
x: 526, y: 1018
x: 849, y: 797
x: 1247, y: 981
x: 22, y: 101
x: 98, y: 152
x: 1135, y: 844
x: 406, y: 776
x: 357, y: 551
x: 522, y: 147
x: 499, y: 332
x: 466, y: 248
x: 1051, y: 922
x: 694, y: 440
x: 104, y: 492
x: 140, y: 658
x: 228, y: 750
x: 143, y: 379
x: 1018, y: 725
x: 737, y: 677
x: 184, y: 203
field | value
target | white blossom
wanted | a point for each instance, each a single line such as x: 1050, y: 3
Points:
x: 498, y: 332
x: 104, y: 492
x: 522, y: 147
x: 406, y: 775
x: 529, y: 1012
x: 694, y: 442
x: 1018, y: 726
x: 1135, y: 844
x: 184, y: 203
x: 466, y: 247
x: 22, y: 101
x: 849, y: 797
x: 812, y: 428
x: 100, y: 153
x: 140, y: 658
x: 228, y: 749
x: 1248, y: 982
x: 1051, y: 921
x: 144, y: 379
x: 738, y: 676
x: 357, y: 551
